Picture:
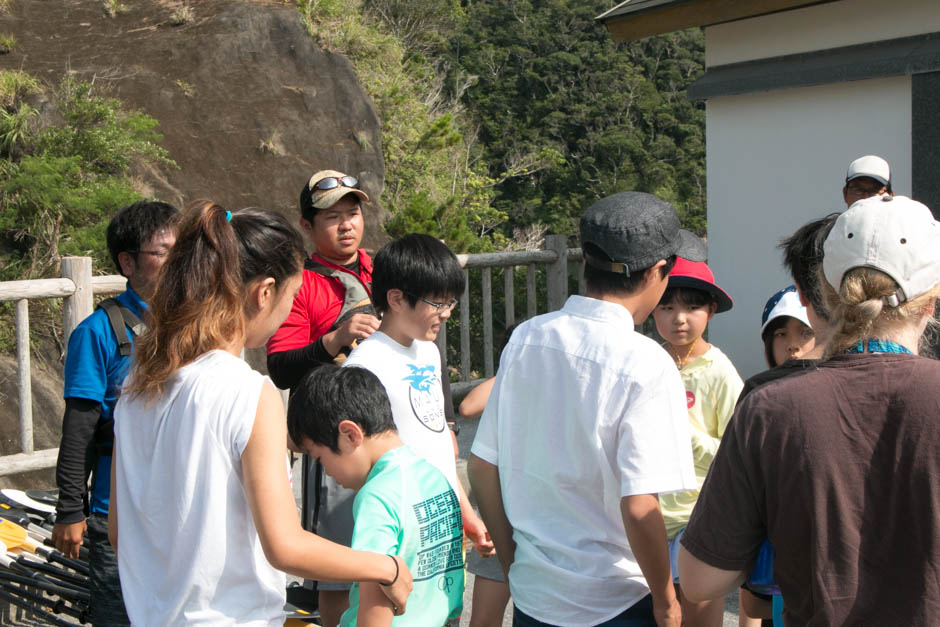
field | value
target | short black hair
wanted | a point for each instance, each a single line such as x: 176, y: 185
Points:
x: 607, y: 282
x: 688, y: 295
x: 803, y: 257
x: 328, y: 395
x: 418, y: 265
x: 136, y: 223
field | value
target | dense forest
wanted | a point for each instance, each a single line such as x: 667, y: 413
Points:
x: 504, y: 119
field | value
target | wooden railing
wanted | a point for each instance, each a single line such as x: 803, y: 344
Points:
x: 77, y: 288
x: 555, y: 257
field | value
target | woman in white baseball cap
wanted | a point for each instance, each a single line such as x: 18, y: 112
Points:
x: 839, y: 466
x: 882, y: 265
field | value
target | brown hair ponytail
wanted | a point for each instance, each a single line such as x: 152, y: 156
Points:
x: 199, y: 304
x: 860, y: 311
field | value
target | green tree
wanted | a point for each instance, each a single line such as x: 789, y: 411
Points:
x: 547, y: 76
x: 61, y: 183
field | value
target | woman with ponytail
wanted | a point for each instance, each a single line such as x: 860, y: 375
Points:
x: 839, y: 466
x: 202, y: 513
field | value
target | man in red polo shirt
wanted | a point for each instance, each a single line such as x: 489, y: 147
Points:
x: 332, y: 310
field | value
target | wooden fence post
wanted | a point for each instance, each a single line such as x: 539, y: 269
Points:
x: 509, y: 296
x: 79, y: 305
x: 465, y: 328
x: 531, y: 295
x: 24, y: 377
x: 488, y: 322
x: 557, y: 272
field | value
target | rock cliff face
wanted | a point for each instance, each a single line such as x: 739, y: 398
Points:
x: 248, y: 105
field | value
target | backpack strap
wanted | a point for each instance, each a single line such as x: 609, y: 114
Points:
x: 357, y: 298
x: 120, y: 318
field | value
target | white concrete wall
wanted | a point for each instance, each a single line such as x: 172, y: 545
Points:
x: 832, y: 25
x: 775, y: 161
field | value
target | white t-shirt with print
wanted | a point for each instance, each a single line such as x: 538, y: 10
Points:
x: 412, y: 379
x: 188, y: 547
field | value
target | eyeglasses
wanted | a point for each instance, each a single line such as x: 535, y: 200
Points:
x: 439, y: 307
x: 159, y: 253
x: 332, y: 182
x: 862, y: 187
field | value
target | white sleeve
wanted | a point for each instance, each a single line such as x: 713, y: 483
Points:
x: 486, y: 443
x: 654, y: 451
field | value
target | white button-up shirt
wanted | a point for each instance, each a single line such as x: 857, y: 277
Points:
x: 584, y: 411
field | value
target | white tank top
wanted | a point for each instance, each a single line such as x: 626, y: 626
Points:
x: 188, y: 550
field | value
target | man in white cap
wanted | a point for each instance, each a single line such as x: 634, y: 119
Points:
x: 866, y: 177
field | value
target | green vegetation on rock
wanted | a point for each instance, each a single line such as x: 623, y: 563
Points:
x: 434, y: 181
x: 60, y: 181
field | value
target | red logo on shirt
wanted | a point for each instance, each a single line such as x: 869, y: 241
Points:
x: 689, y: 399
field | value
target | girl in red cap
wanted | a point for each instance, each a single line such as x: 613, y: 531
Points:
x: 712, y: 386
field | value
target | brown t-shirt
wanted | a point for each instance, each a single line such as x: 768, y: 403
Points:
x: 791, y: 366
x: 840, y: 468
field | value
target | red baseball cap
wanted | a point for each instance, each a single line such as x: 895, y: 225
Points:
x: 697, y: 275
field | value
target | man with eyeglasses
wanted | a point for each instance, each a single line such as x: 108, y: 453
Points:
x: 866, y: 177
x: 139, y: 238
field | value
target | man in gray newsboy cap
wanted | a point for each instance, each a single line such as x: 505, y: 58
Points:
x: 585, y: 426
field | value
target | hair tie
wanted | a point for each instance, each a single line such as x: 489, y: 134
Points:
x: 395, y: 578
x: 228, y: 216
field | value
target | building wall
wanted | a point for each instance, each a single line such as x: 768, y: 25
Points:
x: 777, y: 160
x: 819, y: 27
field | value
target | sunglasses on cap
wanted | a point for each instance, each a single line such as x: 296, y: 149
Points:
x: 332, y: 182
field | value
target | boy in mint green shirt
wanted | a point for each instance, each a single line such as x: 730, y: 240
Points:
x: 404, y: 505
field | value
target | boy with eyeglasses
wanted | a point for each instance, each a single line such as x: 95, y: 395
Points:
x: 415, y: 284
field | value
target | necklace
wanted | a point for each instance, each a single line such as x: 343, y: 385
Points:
x: 681, y: 363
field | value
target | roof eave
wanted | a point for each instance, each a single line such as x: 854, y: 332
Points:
x: 628, y: 23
